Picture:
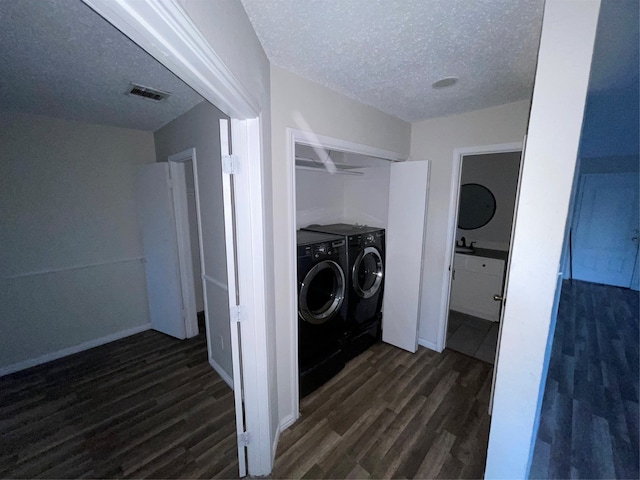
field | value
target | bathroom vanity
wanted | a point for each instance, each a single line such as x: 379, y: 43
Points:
x: 477, y: 278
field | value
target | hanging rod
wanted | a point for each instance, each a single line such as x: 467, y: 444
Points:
x: 324, y: 170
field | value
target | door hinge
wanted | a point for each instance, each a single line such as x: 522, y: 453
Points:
x: 244, y: 438
x: 230, y: 164
x: 236, y: 314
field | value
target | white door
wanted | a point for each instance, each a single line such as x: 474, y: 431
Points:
x: 160, y: 245
x: 502, y: 298
x: 233, y: 298
x: 606, y: 224
x: 408, y: 190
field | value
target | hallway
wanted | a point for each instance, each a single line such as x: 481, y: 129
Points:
x: 589, y: 418
x: 393, y: 414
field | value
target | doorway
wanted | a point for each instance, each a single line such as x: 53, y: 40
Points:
x: 487, y: 193
x: 605, y: 232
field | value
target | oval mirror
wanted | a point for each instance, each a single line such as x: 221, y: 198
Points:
x: 477, y: 206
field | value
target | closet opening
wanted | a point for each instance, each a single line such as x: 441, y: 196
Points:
x: 352, y: 289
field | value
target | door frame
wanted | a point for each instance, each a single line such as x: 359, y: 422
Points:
x: 330, y: 143
x: 456, y: 175
x: 164, y: 30
x: 183, y: 234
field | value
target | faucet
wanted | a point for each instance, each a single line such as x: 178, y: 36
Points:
x: 464, y: 242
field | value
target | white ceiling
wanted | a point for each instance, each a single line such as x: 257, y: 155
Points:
x: 60, y: 59
x: 387, y: 53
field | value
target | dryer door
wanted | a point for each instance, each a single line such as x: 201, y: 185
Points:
x: 367, y: 272
x: 322, y: 292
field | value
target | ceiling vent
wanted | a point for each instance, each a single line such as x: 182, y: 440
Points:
x: 148, y: 93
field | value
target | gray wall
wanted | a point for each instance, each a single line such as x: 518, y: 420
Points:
x: 499, y: 173
x: 70, y: 259
x: 199, y: 128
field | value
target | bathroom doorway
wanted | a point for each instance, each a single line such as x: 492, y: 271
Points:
x: 487, y: 194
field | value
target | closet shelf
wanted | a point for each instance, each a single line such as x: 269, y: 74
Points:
x: 312, y: 165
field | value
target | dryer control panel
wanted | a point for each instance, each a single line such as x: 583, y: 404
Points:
x: 365, y: 239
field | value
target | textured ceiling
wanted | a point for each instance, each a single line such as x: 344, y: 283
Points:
x: 387, y: 53
x: 59, y: 58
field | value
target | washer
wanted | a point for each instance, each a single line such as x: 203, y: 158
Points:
x: 322, y: 307
x: 365, y: 259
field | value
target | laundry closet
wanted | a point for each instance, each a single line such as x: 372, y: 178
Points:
x: 360, y: 229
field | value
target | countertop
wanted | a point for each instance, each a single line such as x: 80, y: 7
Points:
x: 488, y: 253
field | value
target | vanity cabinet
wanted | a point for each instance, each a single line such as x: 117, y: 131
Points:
x: 475, y: 281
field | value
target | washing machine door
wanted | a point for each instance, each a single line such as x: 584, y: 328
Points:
x: 367, y: 272
x: 321, y: 292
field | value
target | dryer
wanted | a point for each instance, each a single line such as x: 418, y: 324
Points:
x: 365, y: 264
x: 322, y: 307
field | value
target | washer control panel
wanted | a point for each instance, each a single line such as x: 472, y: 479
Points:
x: 327, y: 249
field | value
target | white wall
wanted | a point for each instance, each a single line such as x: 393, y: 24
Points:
x: 319, y: 197
x: 199, y: 128
x: 71, y: 246
x: 499, y: 173
x: 366, y: 200
x: 324, y: 198
x: 568, y: 32
x: 436, y: 139
x: 301, y: 104
x: 226, y: 27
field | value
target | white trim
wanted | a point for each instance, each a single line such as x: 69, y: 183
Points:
x: 177, y: 173
x: 314, y: 140
x: 72, y: 267
x: 165, y: 31
x: 183, y: 156
x: 16, y: 367
x: 456, y: 172
x: 292, y: 136
x: 220, y: 371
x: 428, y: 344
x: 230, y: 231
x: 289, y: 420
x: 252, y: 281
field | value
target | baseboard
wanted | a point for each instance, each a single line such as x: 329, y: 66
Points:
x: 428, y: 344
x: 220, y: 371
x: 16, y: 367
x: 287, y: 421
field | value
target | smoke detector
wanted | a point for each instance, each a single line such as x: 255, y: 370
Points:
x: 147, y: 92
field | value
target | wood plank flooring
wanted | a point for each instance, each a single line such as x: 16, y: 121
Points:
x: 589, y: 417
x: 391, y: 414
x: 148, y: 406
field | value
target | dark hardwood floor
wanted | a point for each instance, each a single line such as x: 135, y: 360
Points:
x: 148, y: 406
x: 391, y: 414
x: 589, y: 418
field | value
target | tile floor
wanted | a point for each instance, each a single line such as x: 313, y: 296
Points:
x: 472, y: 336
